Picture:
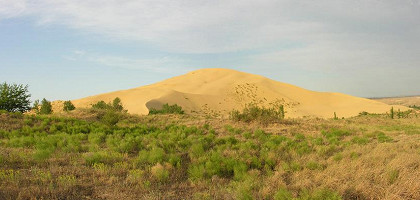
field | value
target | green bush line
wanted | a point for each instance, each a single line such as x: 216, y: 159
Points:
x: 167, y: 109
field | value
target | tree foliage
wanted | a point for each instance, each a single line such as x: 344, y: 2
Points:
x: 116, y: 105
x: 68, y: 106
x: 14, y: 97
x: 46, y: 107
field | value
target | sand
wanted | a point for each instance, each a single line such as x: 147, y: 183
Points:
x: 218, y: 91
x: 405, y: 101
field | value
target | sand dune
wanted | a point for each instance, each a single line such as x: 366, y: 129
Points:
x: 218, y: 91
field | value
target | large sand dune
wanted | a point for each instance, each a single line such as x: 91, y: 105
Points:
x: 218, y: 91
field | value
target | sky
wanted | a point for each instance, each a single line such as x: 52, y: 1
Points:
x: 69, y: 49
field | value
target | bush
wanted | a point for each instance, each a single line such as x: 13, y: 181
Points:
x: 14, y: 98
x: 68, y: 106
x: 167, y: 109
x: 46, y: 107
x: 101, y: 105
x: 252, y: 112
x: 116, y: 105
x: 110, y: 118
x: 283, y: 194
x: 320, y: 194
x: 160, y: 173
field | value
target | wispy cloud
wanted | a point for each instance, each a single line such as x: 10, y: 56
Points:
x: 164, y: 64
x: 192, y: 26
x: 332, y: 35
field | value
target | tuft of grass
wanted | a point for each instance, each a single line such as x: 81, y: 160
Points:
x: 283, y: 194
x: 319, y: 194
x: 360, y: 140
x: 382, y: 138
x: 160, y: 173
x: 393, y: 176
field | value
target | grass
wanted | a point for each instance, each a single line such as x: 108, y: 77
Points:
x: 165, y: 157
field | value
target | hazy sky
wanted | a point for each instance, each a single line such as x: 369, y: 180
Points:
x: 68, y: 49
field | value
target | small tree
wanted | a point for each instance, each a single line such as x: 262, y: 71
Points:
x: 392, y: 112
x: 68, y: 106
x: 46, y: 107
x: 116, y: 104
x: 35, y: 107
x: 14, y: 98
x: 100, y: 105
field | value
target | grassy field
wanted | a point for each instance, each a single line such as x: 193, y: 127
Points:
x: 80, y: 155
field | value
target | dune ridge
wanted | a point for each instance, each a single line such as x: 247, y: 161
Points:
x: 218, y: 91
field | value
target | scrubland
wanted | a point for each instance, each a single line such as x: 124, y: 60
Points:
x: 81, y: 155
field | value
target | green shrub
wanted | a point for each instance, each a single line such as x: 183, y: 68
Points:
x: 313, y: 165
x: 252, y: 112
x: 102, y: 157
x: 167, y: 109
x: 46, y: 107
x: 320, y: 194
x: 382, y: 138
x: 160, y: 173
x: 196, y: 172
x: 283, y: 194
x: 68, y: 106
x: 42, y: 154
x: 117, y: 105
x: 101, y: 105
x: 360, y: 140
x: 110, y: 118
x: 391, y: 113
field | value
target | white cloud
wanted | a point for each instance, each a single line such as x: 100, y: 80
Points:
x: 329, y: 34
x: 163, y: 64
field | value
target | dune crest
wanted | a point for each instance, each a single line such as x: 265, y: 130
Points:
x: 218, y: 91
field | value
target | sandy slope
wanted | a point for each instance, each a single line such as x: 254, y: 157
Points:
x: 218, y: 91
x: 405, y: 101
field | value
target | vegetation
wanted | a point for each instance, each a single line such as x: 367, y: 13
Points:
x: 167, y: 109
x: 391, y: 113
x: 415, y: 107
x: 46, y: 107
x: 116, y: 105
x: 14, y: 97
x: 253, y: 112
x: 117, y: 155
x: 68, y: 106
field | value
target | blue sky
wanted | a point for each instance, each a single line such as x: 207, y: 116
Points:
x: 72, y: 49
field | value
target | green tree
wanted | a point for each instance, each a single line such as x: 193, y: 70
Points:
x: 14, y: 97
x: 392, y: 112
x: 68, y: 106
x: 116, y: 104
x: 100, y: 105
x: 36, y: 105
x: 46, y: 107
